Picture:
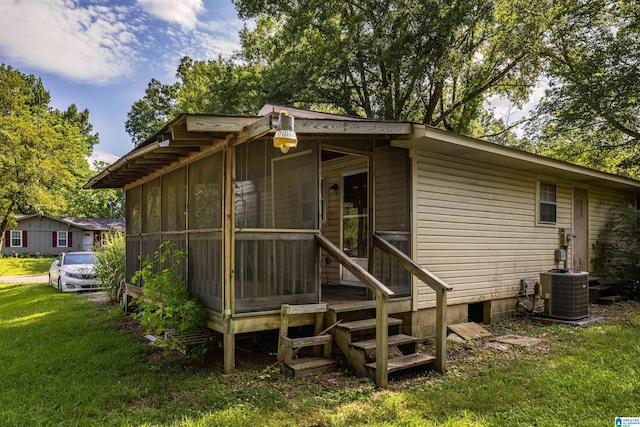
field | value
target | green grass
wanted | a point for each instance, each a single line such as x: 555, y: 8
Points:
x: 13, y: 266
x: 64, y: 361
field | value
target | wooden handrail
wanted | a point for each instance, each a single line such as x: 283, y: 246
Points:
x: 436, y: 284
x: 363, y: 275
x: 410, y: 265
x: 382, y: 294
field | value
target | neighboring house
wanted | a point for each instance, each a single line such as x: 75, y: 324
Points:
x: 262, y: 228
x: 51, y: 235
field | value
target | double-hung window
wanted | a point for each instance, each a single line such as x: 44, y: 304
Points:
x: 63, y: 239
x: 16, y: 238
x: 548, y: 203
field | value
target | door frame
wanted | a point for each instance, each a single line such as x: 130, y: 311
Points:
x: 343, y: 175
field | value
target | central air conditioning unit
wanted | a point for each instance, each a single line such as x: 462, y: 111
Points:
x: 565, y: 293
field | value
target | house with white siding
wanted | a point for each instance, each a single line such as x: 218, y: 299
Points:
x: 403, y: 222
x: 51, y: 235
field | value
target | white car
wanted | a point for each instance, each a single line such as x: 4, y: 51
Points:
x: 73, y: 272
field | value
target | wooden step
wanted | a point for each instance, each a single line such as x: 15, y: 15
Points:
x: 399, y: 339
x: 608, y: 300
x: 365, y: 324
x: 306, y: 366
x: 295, y: 343
x: 407, y: 361
x: 599, y: 291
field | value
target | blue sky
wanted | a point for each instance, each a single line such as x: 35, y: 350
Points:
x: 101, y: 54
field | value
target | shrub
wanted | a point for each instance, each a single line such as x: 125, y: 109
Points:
x: 111, y: 265
x: 166, y: 303
x: 619, y: 251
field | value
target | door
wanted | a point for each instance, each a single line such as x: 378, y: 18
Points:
x: 580, y: 244
x: 355, y: 219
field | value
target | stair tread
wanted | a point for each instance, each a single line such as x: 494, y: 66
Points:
x: 601, y: 287
x: 399, y: 339
x: 405, y: 362
x: 362, y: 325
x: 305, y: 363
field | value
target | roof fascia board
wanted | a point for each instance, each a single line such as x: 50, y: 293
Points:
x: 424, y: 133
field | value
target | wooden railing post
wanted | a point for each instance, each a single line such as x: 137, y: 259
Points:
x: 382, y: 306
x: 441, y: 330
x: 434, y: 283
x: 382, y: 340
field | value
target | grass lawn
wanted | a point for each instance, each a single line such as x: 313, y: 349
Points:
x: 65, y: 360
x: 12, y: 266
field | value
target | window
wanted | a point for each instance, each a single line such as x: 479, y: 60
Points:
x: 16, y: 238
x: 62, y: 239
x: 548, y: 203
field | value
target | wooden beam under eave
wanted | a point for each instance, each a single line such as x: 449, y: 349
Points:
x: 252, y: 131
x: 347, y: 127
x: 223, y: 124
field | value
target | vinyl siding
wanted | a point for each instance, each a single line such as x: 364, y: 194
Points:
x: 393, y: 189
x: 39, y: 237
x: 477, y: 228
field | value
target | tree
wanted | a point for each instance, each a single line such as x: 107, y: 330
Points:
x: 426, y: 61
x: 223, y: 85
x: 217, y: 86
x: 42, y: 151
x: 592, y: 104
x: 152, y: 111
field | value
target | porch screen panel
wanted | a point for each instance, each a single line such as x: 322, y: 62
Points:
x: 179, y: 242
x: 387, y: 269
x: 151, y: 206
x: 150, y: 245
x: 276, y: 190
x: 134, y: 210
x: 205, y: 269
x: 295, y: 191
x: 174, y: 200
x: 276, y: 268
x: 134, y: 228
x: 133, y: 253
x: 205, y: 193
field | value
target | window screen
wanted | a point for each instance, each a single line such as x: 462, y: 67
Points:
x: 275, y: 190
x: 151, y: 206
x: 134, y: 211
x: 548, y: 203
x: 174, y: 200
x: 205, y: 193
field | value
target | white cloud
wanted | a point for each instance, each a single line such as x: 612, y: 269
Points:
x: 209, y: 40
x: 91, y: 44
x: 102, y: 156
x: 182, y: 12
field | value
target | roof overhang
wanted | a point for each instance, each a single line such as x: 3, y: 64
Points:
x: 459, y: 146
x: 190, y: 135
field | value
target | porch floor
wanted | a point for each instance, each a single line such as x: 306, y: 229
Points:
x: 334, y: 294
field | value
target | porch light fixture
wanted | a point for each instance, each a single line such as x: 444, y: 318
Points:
x: 285, y: 137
